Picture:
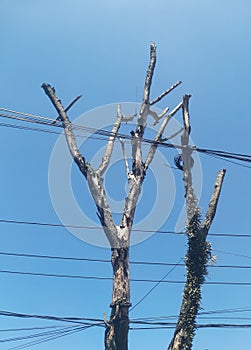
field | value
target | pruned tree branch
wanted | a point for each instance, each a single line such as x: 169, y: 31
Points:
x: 159, y: 98
x: 129, y: 118
x: 67, y: 108
x: 149, y: 74
x: 164, y: 139
x: 84, y: 167
x: 109, y: 147
x: 95, y: 182
x: 214, y: 200
x: 125, y: 159
x: 144, y: 110
x: 72, y: 103
x: 187, y: 158
x: 158, y: 117
x: 159, y: 135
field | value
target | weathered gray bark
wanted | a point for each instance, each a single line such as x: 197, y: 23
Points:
x: 199, y: 250
x: 117, y: 328
x: 116, y: 335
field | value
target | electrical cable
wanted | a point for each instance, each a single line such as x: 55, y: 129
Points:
x: 156, y: 285
x: 53, y: 337
x: 27, y: 329
x: 78, y: 320
x: 103, y: 278
x: 153, y: 263
x: 51, y: 122
x: 37, y: 335
x: 20, y: 222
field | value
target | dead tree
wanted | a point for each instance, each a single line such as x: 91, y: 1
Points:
x: 199, y: 249
x: 116, y: 334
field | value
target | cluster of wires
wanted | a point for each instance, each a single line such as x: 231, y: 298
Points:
x: 48, y: 333
x: 83, y: 131
x: 74, y: 325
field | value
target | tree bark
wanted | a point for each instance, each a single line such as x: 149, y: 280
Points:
x: 116, y: 337
x: 199, y: 250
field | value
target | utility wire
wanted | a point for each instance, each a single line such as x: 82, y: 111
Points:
x: 22, y: 127
x: 78, y: 320
x: 53, y: 337
x: 157, y: 320
x: 20, y: 222
x: 200, y: 314
x: 37, y: 335
x: 156, y: 285
x: 153, y: 263
x: 198, y: 326
x: 27, y: 329
x: 41, y: 120
x: 233, y: 254
x: 103, y: 278
x: 87, y: 320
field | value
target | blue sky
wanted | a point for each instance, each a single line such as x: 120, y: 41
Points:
x: 100, y: 49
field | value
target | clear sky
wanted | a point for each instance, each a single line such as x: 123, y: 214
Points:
x: 100, y: 49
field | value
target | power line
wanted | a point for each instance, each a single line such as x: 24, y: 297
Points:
x: 22, y: 127
x: 156, y: 285
x: 157, y: 320
x: 200, y: 315
x: 78, y: 320
x: 153, y: 263
x: 51, y: 122
x: 53, y: 337
x: 81, y: 323
x: 63, y: 331
x: 198, y: 326
x: 233, y: 254
x: 103, y: 278
x: 40, y: 334
x: 27, y: 329
x: 20, y: 222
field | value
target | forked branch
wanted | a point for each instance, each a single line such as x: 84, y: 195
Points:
x: 69, y: 134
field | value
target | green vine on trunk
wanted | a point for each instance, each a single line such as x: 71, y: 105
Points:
x: 196, y: 260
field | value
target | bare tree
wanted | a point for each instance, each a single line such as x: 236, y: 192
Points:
x: 116, y: 334
x: 199, y: 249
x: 117, y: 327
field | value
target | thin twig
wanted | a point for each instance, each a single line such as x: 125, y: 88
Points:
x: 67, y: 108
x: 172, y: 136
x: 125, y: 159
x: 165, y: 93
x: 110, y: 144
x: 72, y: 103
x: 161, y: 115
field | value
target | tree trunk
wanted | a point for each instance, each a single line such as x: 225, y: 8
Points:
x: 199, y: 250
x: 197, y: 256
x: 116, y: 335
